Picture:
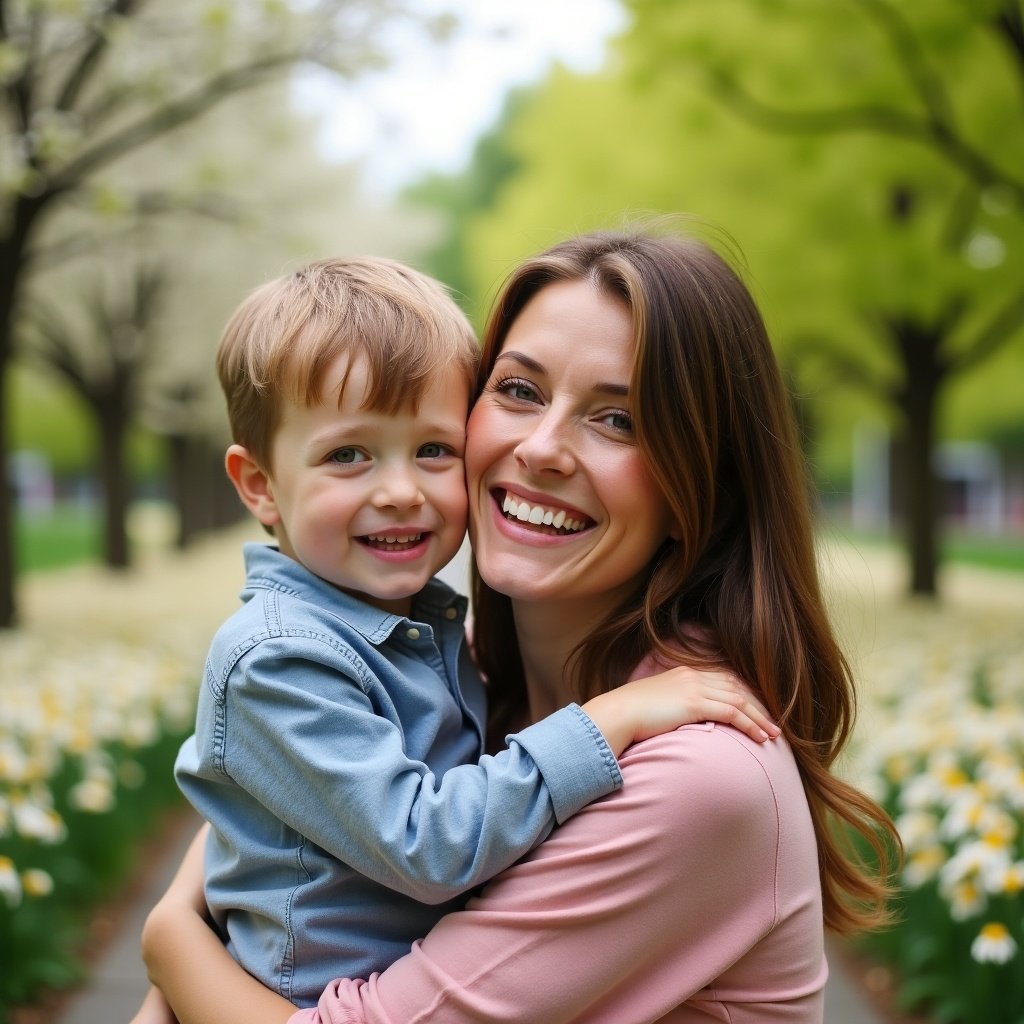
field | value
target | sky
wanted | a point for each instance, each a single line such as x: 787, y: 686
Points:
x: 426, y: 109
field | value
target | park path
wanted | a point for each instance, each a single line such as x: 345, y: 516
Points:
x: 863, y: 581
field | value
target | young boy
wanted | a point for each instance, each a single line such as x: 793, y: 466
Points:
x: 338, y: 752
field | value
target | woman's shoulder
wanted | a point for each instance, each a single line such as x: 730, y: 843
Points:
x: 713, y: 768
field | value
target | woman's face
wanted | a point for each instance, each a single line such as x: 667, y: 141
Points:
x: 562, y: 504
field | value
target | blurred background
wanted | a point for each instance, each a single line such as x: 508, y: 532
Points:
x: 863, y: 160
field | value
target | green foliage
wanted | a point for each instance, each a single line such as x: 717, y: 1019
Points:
x: 841, y: 228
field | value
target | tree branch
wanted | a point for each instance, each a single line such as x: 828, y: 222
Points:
x: 1009, y: 27
x: 146, y: 204
x: 90, y: 58
x: 938, y: 136
x: 993, y: 336
x: 164, y: 119
x: 912, y: 59
x: 847, y: 368
x: 53, y: 350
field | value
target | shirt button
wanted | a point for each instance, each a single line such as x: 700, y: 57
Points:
x: 413, y: 633
x: 451, y: 613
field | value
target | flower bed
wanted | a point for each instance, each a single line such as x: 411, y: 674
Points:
x: 940, y: 743
x: 98, y: 690
x: 86, y: 747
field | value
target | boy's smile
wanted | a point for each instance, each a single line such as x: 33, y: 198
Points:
x: 372, y: 502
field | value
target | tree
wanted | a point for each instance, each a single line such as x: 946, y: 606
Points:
x: 941, y: 78
x: 85, y: 83
x: 105, y: 370
x: 883, y: 228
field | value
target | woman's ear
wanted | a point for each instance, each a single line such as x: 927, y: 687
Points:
x: 253, y: 485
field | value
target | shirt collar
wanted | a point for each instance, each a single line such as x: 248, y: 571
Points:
x: 266, y: 566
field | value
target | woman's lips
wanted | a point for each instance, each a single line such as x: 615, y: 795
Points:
x: 559, y: 520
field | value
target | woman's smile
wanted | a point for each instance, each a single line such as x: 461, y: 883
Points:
x: 550, y: 517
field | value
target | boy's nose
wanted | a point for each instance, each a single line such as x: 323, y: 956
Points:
x: 399, y: 488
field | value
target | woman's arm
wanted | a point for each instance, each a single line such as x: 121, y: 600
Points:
x: 188, y: 962
x: 634, y: 906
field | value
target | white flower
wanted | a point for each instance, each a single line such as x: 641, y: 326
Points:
x: 994, y: 944
x: 10, y: 883
x: 35, y: 819
x: 917, y: 829
x: 36, y: 882
x: 923, y: 865
x: 1010, y: 882
x: 966, y: 899
x: 94, y: 794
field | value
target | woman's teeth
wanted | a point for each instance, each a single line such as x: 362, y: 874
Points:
x: 539, y: 515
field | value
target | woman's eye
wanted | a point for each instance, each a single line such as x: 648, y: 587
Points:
x: 619, y: 420
x: 346, y: 456
x: 516, y: 387
x: 433, y: 450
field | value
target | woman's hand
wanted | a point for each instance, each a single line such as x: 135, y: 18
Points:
x: 154, y: 1009
x: 189, y: 964
x: 679, y: 696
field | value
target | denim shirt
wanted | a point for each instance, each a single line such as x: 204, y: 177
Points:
x: 338, y: 755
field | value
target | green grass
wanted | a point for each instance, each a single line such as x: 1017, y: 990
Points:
x: 1005, y: 553
x: 69, y: 535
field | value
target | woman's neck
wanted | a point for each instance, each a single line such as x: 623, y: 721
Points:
x: 548, y: 633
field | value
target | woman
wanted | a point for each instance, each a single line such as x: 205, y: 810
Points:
x: 629, y: 383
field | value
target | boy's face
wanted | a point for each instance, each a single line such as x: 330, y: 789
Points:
x: 371, y: 502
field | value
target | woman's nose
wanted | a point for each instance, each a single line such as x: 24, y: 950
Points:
x: 547, y: 447
x: 398, y: 487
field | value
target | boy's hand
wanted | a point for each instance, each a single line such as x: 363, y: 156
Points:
x: 680, y: 696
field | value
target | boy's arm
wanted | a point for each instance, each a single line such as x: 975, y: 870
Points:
x: 322, y: 750
x: 322, y: 759
x: 190, y: 966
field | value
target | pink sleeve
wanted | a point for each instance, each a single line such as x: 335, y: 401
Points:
x: 626, y: 911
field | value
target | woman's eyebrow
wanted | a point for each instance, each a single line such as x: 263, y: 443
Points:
x: 523, y: 360
x: 618, y: 390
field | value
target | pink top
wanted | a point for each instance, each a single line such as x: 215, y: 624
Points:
x: 690, y: 895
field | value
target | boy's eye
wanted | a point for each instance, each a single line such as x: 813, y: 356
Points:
x: 432, y: 450
x: 346, y: 456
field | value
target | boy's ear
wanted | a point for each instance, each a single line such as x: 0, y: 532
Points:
x: 253, y: 485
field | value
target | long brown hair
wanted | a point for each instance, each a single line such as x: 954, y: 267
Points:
x: 716, y: 426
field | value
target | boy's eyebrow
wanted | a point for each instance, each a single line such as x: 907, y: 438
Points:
x: 617, y: 390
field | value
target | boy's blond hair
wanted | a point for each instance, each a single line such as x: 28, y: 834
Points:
x: 282, y: 338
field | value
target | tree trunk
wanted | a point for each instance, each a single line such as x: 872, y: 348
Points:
x: 8, y: 607
x: 917, y: 400
x: 12, y: 266
x: 177, y: 457
x: 114, y: 475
